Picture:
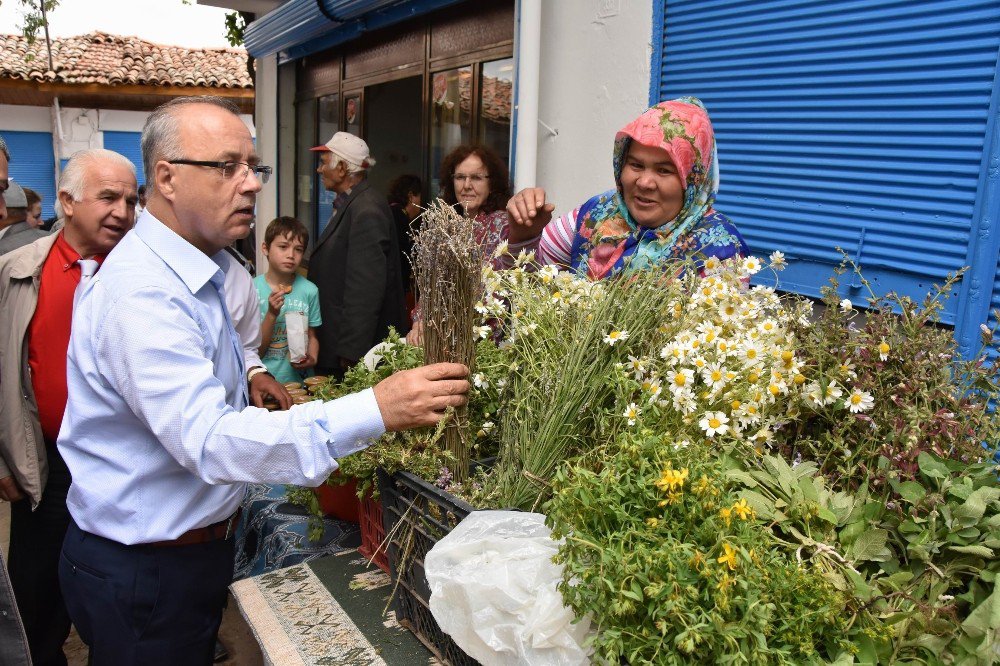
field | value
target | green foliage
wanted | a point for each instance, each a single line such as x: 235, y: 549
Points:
x: 924, y: 563
x: 418, y: 451
x: 673, y: 568
x: 236, y: 25
x: 34, y: 17
x: 925, y: 397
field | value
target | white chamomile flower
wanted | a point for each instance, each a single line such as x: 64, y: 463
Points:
x: 847, y: 369
x: 714, y: 376
x: 883, y: 350
x: 711, y: 265
x: 673, y: 353
x: 637, y: 366
x: 684, y: 401
x: 751, y: 353
x: 683, y: 444
x: 860, y: 401
x: 631, y: 413
x: 547, y: 273
x: 481, y: 332
x: 614, y: 336
x: 714, y: 423
x: 777, y: 260
x: 488, y: 426
x: 832, y: 393
x: 501, y: 249
x: 751, y: 265
x: 480, y: 381
x: 653, y: 388
x: 682, y: 378
x: 846, y: 305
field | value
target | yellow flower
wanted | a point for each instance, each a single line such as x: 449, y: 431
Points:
x: 652, y: 522
x: 697, y: 561
x: 727, y: 515
x: 883, y: 350
x: 743, y: 510
x: 672, y: 479
x: 703, y: 487
x: 728, y: 557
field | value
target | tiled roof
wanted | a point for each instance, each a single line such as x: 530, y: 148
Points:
x: 112, y: 60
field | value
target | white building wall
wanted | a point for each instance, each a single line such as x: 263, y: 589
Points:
x: 593, y: 80
x: 266, y: 116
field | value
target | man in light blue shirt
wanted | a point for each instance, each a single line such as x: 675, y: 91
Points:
x: 157, y: 432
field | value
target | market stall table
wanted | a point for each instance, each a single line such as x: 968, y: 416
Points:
x: 327, y: 611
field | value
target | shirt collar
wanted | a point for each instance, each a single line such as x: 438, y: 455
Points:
x: 191, y: 265
x: 67, y: 256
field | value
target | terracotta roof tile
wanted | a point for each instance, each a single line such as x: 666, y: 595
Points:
x: 111, y: 60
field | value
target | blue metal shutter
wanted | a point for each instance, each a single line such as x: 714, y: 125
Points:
x: 857, y: 124
x: 127, y: 143
x: 33, y: 165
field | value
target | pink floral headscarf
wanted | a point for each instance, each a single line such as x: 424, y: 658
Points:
x: 682, y: 128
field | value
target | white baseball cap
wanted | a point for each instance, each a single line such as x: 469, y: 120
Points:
x: 349, y: 148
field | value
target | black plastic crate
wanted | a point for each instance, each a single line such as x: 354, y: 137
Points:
x: 428, y: 514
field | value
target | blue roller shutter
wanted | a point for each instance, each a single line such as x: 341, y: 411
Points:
x: 33, y: 165
x: 127, y: 143
x: 857, y: 124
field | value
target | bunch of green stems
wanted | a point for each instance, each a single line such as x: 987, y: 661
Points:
x: 563, y: 368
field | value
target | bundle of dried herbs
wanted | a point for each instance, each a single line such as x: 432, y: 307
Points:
x: 448, y: 263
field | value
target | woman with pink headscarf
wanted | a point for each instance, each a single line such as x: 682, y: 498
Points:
x: 666, y: 175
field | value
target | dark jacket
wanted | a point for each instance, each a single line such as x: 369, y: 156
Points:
x: 355, y: 265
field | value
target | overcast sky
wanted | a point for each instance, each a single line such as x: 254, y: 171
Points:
x: 161, y: 21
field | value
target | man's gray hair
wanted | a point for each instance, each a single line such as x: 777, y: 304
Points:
x: 3, y: 149
x: 352, y: 169
x: 73, y: 178
x: 160, y: 135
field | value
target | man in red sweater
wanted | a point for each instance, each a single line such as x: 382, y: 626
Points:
x: 97, y: 195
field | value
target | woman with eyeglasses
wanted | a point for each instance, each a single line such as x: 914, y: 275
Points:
x: 475, y: 181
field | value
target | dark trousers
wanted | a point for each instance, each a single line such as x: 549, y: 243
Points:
x: 147, y: 605
x: 36, y: 539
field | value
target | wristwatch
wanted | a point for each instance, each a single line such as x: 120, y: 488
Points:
x: 256, y: 370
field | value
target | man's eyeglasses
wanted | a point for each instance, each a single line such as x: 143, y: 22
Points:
x: 476, y: 178
x: 232, y: 169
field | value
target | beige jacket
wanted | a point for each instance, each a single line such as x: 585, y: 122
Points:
x: 22, y: 448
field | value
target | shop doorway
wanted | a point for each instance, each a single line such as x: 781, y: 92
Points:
x: 393, y: 129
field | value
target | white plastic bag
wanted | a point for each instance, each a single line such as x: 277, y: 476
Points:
x: 493, y: 590
x: 297, y: 329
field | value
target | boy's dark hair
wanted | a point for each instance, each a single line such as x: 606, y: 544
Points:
x: 286, y: 226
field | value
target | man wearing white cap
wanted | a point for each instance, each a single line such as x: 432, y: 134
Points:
x: 19, y: 230
x: 355, y: 262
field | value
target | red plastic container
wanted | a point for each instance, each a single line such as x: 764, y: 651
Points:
x: 341, y: 502
x: 373, y: 532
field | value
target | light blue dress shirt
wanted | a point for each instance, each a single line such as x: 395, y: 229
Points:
x: 157, y: 432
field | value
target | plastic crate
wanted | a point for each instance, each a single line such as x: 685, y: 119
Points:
x: 427, y: 514
x: 372, y: 532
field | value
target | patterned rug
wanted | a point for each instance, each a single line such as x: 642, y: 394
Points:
x: 273, y: 533
x: 325, y: 612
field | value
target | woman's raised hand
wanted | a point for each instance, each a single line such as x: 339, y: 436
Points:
x: 529, y: 213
